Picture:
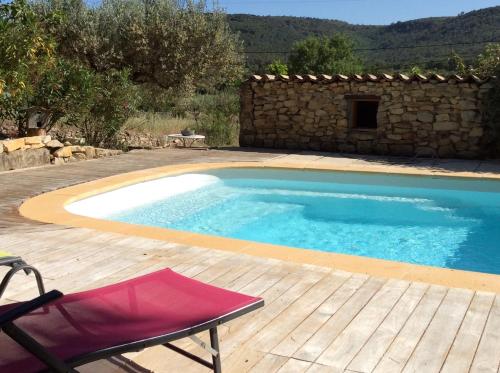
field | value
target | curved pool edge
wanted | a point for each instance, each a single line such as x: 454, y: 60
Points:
x: 50, y: 208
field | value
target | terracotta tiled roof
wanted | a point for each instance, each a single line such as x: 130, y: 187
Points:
x: 369, y: 78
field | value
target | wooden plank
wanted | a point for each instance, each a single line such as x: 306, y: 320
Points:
x: 343, y: 349
x: 313, y: 348
x: 379, y: 342
x: 462, y: 352
x: 298, y: 284
x: 295, y: 366
x: 432, y: 349
x: 294, y: 340
x: 269, y: 363
x: 403, y: 345
x: 267, y: 337
x: 487, y: 358
x: 290, y: 318
x: 318, y: 368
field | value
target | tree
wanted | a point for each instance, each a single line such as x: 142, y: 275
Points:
x: 334, y: 55
x: 25, y: 52
x: 173, y: 44
x: 457, y: 64
x: 277, y: 67
x: 488, y: 62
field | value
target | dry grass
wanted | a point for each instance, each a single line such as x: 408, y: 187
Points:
x: 157, y: 124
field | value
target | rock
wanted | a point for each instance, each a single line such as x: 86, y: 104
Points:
x: 397, y: 111
x: 442, y: 118
x: 1, y: 147
x: 445, y: 126
x: 476, y: 132
x: 469, y: 116
x: 36, y: 146
x: 34, y: 140
x: 67, y: 143
x: 79, y: 156
x: 77, y: 149
x: 12, y: 145
x: 58, y: 161
x: 54, y: 144
x: 425, y: 117
x: 401, y: 149
x: 424, y: 151
x: 24, y: 158
x: 64, y: 152
x: 89, y: 152
x: 46, y: 139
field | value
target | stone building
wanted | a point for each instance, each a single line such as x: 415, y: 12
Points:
x: 431, y: 116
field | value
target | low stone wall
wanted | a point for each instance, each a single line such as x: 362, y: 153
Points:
x: 417, y: 116
x: 41, y: 150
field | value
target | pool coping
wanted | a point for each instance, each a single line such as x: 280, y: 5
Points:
x: 50, y: 208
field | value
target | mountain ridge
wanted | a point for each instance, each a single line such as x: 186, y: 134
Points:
x: 266, y: 37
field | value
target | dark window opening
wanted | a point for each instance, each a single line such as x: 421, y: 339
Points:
x: 364, y: 114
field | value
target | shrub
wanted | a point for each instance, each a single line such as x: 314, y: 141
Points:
x: 109, y: 101
x: 216, y: 116
x: 218, y: 128
x: 277, y: 68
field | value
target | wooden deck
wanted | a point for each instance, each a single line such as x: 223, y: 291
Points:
x: 315, y: 319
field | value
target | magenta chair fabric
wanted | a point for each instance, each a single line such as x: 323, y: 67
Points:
x: 156, y: 304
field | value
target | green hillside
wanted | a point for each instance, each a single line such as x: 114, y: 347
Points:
x: 375, y: 44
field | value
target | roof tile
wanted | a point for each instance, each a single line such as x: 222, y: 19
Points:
x: 368, y: 78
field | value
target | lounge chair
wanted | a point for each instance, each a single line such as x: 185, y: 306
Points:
x: 17, y: 264
x: 60, y: 332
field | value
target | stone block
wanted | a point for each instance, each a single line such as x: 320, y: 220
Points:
x: 446, y: 151
x: 425, y: 151
x: 33, y: 140
x: 58, y: 161
x: 397, y: 111
x: 401, y: 149
x: 476, y: 132
x: 54, y: 144
x: 394, y: 136
x: 445, y: 126
x: 364, y: 147
x: 36, y: 146
x: 13, y: 145
x: 467, y: 105
x: 79, y: 156
x: 64, y: 152
x: 469, y: 116
x: 425, y: 117
x: 24, y: 158
x: 442, y: 118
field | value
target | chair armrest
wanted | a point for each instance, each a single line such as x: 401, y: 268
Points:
x: 26, y: 307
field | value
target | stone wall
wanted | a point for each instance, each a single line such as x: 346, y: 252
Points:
x: 417, y: 116
x: 41, y: 150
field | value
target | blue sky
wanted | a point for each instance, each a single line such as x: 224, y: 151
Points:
x: 357, y: 11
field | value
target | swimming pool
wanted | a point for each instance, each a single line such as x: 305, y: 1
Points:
x: 441, y: 222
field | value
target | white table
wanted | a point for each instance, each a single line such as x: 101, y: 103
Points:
x: 187, y: 141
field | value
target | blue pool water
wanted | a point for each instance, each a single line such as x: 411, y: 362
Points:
x: 443, y: 222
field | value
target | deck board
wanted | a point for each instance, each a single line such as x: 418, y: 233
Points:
x: 316, y: 319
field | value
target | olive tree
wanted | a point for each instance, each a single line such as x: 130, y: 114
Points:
x: 171, y: 44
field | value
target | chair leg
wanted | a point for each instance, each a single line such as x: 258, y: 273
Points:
x: 214, y: 342
x: 8, y: 277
